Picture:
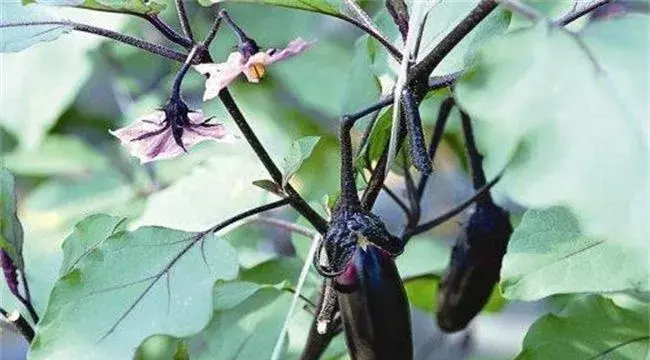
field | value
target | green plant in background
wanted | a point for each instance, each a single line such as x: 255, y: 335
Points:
x: 198, y: 252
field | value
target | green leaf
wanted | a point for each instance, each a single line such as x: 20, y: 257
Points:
x: 379, y: 136
x: 150, y: 281
x: 126, y: 6
x: 422, y: 293
x: 424, y: 255
x: 246, y: 328
x: 87, y: 235
x: 270, y: 186
x: 548, y: 254
x: 35, y: 77
x: 17, y: 38
x: 442, y: 18
x: 329, y: 7
x: 11, y: 231
x: 590, y: 327
x: 580, y: 139
x: 132, y: 6
x: 362, y: 87
x: 301, y: 149
x: 57, y: 155
x: 207, y: 195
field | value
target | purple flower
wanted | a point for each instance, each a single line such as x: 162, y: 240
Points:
x: 248, y: 60
x: 168, y: 132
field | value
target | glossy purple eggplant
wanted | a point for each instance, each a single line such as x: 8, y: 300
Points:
x: 374, y: 307
x: 475, y: 266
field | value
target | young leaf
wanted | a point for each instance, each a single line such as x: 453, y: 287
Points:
x: 270, y: 186
x: 579, y: 139
x: 11, y: 231
x: 590, y: 327
x: 301, y: 149
x: 17, y: 38
x: 131, y: 285
x: 547, y: 254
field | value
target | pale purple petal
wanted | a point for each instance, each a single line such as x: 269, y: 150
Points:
x: 220, y: 75
x: 198, y: 133
x: 294, y: 48
x: 155, y: 147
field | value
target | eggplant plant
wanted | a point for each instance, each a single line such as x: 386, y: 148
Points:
x: 172, y: 242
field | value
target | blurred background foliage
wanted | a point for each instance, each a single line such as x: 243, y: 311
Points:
x: 60, y: 99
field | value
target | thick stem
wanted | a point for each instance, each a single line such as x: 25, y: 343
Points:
x: 167, y: 31
x: 349, y: 195
x: 316, y: 342
x: 27, y: 300
x: 182, y: 18
x: 178, y: 79
x: 420, y: 72
x: 21, y: 324
x: 126, y: 39
x: 475, y: 157
x: 213, y: 32
x: 294, y: 198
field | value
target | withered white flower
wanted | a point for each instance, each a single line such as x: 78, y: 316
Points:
x: 252, y: 63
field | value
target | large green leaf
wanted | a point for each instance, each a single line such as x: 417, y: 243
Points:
x: 362, y: 87
x: 128, y: 6
x: 16, y: 38
x: 134, y: 6
x: 129, y: 286
x: 329, y: 7
x: 337, y: 8
x: 547, y: 254
x: 11, y: 231
x: 245, y: 324
x: 443, y: 17
x: 208, y: 194
x: 86, y: 236
x: 568, y: 114
x: 50, y: 211
x: 424, y: 255
x: 33, y: 77
x: 57, y: 155
x: 590, y: 327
